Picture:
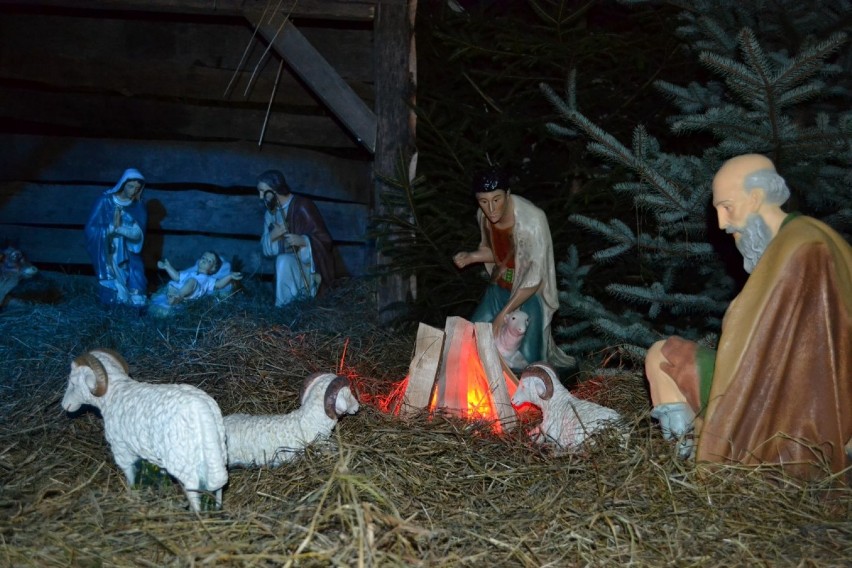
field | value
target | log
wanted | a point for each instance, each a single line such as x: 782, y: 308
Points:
x: 423, y: 369
x: 467, y: 379
x: 498, y: 381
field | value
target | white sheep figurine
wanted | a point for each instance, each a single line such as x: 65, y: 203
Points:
x: 510, y: 336
x: 176, y: 427
x: 273, y: 439
x: 567, y: 421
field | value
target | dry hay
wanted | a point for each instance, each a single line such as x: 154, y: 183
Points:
x: 384, y: 492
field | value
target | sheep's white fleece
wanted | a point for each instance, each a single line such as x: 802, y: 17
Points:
x: 273, y: 439
x: 174, y: 426
x: 567, y: 421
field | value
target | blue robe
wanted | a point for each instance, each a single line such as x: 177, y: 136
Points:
x: 117, y: 259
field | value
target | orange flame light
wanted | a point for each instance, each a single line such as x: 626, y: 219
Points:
x: 457, y: 382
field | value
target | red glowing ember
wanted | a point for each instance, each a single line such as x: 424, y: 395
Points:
x: 459, y: 371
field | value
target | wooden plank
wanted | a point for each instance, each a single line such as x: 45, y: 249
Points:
x: 166, y: 80
x: 319, y: 75
x: 193, y: 60
x: 221, y: 164
x: 499, y: 382
x: 452, y: 380
x: 62, y: 246
x: 185, y: 210
x: 423, y: 369
x: 350, y: 10
x: 117, y: 115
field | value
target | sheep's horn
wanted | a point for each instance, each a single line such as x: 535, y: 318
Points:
x: 307, y: 384
x: 101, y: 379
x: 331, y: 392
x: 115, y: 355
x: 544, y: 372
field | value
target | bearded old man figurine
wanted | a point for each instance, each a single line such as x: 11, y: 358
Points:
x: 115, y: 233
x: 294, y: 233
x: 778, y: 390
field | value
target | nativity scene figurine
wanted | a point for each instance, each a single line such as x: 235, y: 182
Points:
x: 115, y: 235
x: 295, y: 235
x: 778, y: 388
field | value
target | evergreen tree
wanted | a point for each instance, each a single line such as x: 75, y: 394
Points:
x: 479, y: 103
x: 779, y: 77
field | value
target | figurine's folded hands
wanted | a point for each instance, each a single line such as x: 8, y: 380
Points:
x: 131, y: 231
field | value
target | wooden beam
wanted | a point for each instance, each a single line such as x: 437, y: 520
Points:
x: 349, y: 10
x: 320, y: 77
x: 395, y: 85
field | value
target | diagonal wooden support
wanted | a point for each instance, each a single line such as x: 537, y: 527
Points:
x: 319, y: 75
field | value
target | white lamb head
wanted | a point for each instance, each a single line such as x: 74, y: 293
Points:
x: 535, y: 385
x: 566, y: 421
x: 339, y: 398
x: 89, y: 378
x: 510, y: 336
x: 516, y: 323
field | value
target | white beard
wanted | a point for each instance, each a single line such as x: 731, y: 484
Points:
x: 754, y: 238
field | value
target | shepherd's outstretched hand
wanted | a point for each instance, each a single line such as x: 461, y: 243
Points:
x: 461, y: 259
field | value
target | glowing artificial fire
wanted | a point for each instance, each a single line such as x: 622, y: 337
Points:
x: 465, y: 389
x: 458, y: 371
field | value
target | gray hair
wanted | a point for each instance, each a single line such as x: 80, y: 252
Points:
x: 773, y: 185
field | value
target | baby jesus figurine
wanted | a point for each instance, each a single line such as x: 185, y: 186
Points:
x: 208, y: 275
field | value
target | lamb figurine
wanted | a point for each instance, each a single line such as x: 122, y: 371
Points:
x: 176, y: 427
x: 509, y: 339
x: 567, y: 421
x: 273, y: 439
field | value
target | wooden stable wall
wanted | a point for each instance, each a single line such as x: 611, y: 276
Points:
x: 198, y: 197
x: 201, y: 96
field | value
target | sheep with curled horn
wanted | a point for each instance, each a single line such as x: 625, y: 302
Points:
x: 176, y: 427
x: 567, y: 421
x: 272, y: 439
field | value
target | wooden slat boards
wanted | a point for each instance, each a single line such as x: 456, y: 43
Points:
x: 191, y: 77
x: 198, y: 198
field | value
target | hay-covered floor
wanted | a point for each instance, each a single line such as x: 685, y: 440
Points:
x: 386, y: 492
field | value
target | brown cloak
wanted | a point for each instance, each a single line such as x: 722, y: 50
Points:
x: 782, y: 386
x: 303, y: 218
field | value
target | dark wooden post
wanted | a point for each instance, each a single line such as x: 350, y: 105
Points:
x: 395, y: 70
